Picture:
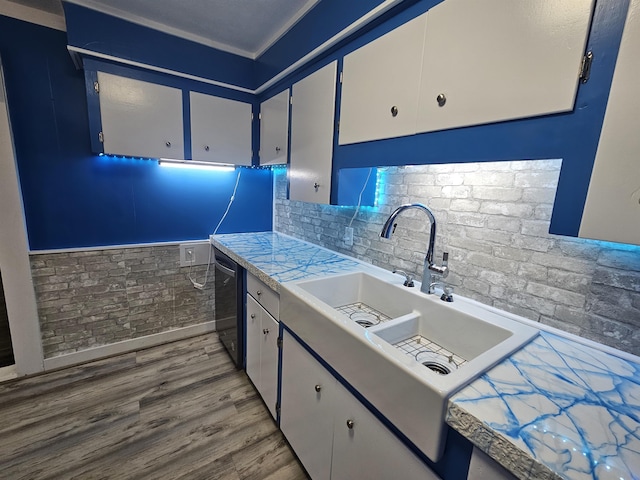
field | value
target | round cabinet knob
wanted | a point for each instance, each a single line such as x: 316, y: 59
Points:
x: 318, y: 388
x: 316, y: 185
x: 441, y: 99
x: 168, y: 144
x: 278, y: 149
x: 253, y: 315
x: 265, y: 331
x: 394, y: 111
x: 259, y: 292
x: 350, y: 424
x: 206, y: 148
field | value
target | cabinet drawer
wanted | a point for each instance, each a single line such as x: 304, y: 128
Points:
x: 266, y: 297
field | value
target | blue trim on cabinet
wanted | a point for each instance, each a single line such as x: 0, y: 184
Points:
x: 326, y: 19
x: 186, y: 124
x: 102, y: 33
x: 454, y: 464
x: 279, y: 391
x: 93, y: 112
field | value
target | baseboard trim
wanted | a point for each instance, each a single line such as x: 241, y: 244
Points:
x: 125, y: 346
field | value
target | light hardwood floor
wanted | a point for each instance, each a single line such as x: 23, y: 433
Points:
x: 178, y: 411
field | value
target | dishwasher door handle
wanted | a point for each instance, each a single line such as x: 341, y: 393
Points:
x: 227, y: 270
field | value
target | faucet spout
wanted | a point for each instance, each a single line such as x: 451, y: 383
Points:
x: 431, y: 271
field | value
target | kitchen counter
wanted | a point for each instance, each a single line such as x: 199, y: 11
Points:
x: 554, y: 409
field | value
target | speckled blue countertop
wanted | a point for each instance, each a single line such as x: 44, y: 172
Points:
x: 556, y: 409
x: 276, y: 258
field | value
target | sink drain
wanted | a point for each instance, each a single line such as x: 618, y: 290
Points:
x: 436, y: 362
x: 365, y: 323
x: 439, y: 368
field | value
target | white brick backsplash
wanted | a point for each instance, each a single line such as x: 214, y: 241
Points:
x: 499, y: 179
x: 499, y: 194
x: 503, y: 223
x: 500, y: 254
x: 463, y: 205
x: 507, y: 209
x: 542, y: 179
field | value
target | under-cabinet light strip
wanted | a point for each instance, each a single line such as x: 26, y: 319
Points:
x: 191, y: 164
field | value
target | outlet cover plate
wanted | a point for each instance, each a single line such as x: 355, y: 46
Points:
x: 200, y: 250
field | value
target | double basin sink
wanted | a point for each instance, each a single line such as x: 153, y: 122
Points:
x: 404, y: 351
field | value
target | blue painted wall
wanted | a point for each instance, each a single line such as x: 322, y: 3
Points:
x: 73, y: 198
x: 325, y: 20
x: 109, y: 35
x: 571, y: 136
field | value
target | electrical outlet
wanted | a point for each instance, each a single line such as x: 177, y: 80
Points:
x: 348, y: 236
x: 194, y: 253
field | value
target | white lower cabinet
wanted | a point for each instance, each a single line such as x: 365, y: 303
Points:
x: 262, y: 352
x: 333, y: 434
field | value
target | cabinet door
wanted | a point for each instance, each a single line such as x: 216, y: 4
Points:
x: 220, y: 129
x: 312, y: 118
x: 254, y: 340
x: 380, y: 83
x: 498, y: 60
x: 269, y: 362
x: 305, y: 417
x: 364, y: 448
x: 274, y: 129
x: 612, y: 209
x: 140, y: 119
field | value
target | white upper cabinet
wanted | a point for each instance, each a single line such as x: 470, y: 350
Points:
x: 612, y: 209
x: 312, y: 120
x: 140, y: 119
x: 220, y: 129
x: 274, y: 129
x: 380, y: 83
x: 498, y: 60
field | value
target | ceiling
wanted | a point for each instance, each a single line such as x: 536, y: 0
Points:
x: 243, y: 27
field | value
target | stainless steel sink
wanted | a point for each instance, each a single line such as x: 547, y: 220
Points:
x: 410, y: 361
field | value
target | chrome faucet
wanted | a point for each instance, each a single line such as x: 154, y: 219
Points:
x: 432, y: 272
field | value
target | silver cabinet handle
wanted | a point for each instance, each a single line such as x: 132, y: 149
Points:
x: 278, y: 149
x: 441, y: 99
x: 206, y: 148
x: 394, y: 111
x: 318, y: 388
x: 265, y: 331
x: 259, y: 292
x: 253, y: 315
x: 316, y: 185
x: 168, y: 144
x: 350, y: 424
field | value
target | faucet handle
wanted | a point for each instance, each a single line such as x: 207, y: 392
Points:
x: 408, y: 278
x: 445, y: 259
x: 447, y: 296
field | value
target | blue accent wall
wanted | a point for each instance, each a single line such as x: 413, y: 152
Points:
x: 325, y: 20
x: 73, y: 198
x: 571, y: 136
x: 109, y: 35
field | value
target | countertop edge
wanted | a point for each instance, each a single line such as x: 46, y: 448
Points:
x: 248, y: 266
x: 496, y: 446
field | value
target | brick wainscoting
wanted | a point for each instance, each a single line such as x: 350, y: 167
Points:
x: 98, y: 297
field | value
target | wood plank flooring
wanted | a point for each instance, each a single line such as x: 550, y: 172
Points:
x: 177, y: 411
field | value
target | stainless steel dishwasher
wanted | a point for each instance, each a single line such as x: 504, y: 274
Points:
x: 229, y: 305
